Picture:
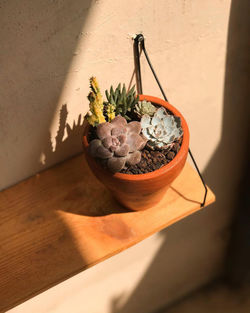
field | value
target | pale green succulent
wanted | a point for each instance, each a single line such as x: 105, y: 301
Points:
x: 162, y: 129
x: 144, y: 107
x: 121, y: 100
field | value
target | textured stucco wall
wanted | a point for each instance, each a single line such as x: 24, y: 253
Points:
x: 49, y: 49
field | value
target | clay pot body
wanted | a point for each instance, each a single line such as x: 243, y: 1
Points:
x: 142, y: 191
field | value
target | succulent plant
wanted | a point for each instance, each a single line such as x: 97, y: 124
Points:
x: 121, y: 100
x: 162, y: 129
x: 95, y: 115
x: 119, y: 143
x: 144, y: 107
x: 110, y: 111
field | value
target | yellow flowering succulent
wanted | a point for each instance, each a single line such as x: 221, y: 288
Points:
x: 95, y: 115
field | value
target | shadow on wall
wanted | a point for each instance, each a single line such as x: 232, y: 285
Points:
x: 203, y: 237
x: 64, y: 147
x: 38, y: 42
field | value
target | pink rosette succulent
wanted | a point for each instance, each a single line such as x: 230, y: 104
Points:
x: 119, y: 143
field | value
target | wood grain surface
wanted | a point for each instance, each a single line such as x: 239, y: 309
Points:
x: 62, y: 221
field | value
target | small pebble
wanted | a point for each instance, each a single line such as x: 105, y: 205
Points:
x: 170, y: 155
x: 176, y: 147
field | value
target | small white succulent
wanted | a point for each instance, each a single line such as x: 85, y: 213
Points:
x: 162, y: 129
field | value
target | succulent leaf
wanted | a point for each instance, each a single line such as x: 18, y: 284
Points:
x: 122, y: 151
x: 134, y: 127
x: 135, y: 141
x: 117, y: 131
x: 134, y: 158
x: 116, y: 164
x: 103, y: 130
x: 94, y: 144
x: 119, y: 121
x: 110, y: 111
x: 107, y: 95
x: 131, y: 91
x: 162, y: 129
x: 103, y: 153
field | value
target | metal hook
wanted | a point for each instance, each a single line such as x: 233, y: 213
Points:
x: 138, y: 39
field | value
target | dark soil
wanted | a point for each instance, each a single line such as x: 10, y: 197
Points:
x: 153, y: 160
x: 92, y: 134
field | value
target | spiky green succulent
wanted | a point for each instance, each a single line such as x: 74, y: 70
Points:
x: 161, y: 130
x: 144, y: 107
x: 121, y: 100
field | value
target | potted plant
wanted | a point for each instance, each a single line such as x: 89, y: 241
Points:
x: 135, y: 145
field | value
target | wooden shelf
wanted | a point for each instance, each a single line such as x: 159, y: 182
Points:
x: 63, y: 221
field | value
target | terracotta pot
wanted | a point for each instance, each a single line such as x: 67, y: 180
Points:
x: 141, y: 191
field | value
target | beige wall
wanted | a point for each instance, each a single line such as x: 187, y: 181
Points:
x: 49, y: 49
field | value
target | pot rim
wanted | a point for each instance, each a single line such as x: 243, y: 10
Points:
x: 166, y: 168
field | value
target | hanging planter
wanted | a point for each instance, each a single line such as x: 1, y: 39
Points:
x: 136, y: 146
